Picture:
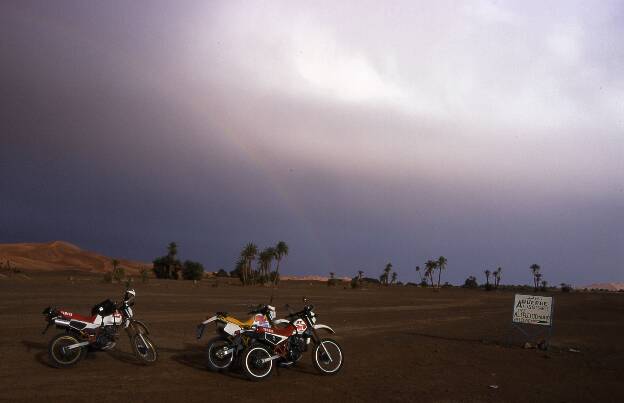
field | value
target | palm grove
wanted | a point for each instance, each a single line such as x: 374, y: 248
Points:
x: 252, y: 267
x: 432, y: 274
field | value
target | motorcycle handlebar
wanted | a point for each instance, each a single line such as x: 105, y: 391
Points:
x: 257, y: 308
x: 305, y: 311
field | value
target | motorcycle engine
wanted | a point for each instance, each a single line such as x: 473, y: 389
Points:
x: 106, y: 338
x: 296, y: 348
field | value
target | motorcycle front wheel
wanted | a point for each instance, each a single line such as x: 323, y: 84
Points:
x: 59, y: 355
x: 143, y: 348
x: 218, y: 355
x: 257, y: 364
x: 327, y: 357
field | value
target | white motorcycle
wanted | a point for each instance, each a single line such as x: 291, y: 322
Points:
x: 99, y: 331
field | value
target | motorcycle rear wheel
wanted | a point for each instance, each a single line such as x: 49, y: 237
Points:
x: 214, y: 361
x: 61, y: 358
x: 253, y: 367
x: 143, y: 348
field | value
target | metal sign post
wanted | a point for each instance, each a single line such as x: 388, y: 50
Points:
x: 532, y: 316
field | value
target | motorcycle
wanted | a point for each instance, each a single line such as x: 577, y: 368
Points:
x: 99, y: 331
x: 233, y: 335
x: 286, y: 344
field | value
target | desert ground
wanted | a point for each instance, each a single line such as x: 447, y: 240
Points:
x: 400, y: 344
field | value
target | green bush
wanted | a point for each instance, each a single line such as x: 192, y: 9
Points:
x: 471, y: 282
x: 192, y: 270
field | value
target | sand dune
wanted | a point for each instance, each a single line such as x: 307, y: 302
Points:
x: 59, y: 255
x: 605, y: 286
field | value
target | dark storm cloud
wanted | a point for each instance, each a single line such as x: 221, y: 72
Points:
x: 489, y: 133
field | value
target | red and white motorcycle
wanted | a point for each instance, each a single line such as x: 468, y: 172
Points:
x: 99, y: 331
x: 285, y: 342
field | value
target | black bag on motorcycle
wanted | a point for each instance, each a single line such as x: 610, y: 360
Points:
x: 104, y: 308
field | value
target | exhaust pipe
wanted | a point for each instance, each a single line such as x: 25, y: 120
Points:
x: 274, y: 357
x: 74, y: 346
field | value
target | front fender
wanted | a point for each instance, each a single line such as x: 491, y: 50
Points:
x: 142, y: 328
x: 325, y: 327
x: 280, y: 321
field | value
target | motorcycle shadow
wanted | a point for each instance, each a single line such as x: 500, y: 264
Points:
x: 298, y: 368
x: 121, y: 356
x: 41, y: 351
x: 194, y: 356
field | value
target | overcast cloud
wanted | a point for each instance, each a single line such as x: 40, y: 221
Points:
x: 358, y: 132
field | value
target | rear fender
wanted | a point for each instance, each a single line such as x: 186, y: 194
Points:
x: 202, y: 326
x: 212, y: 319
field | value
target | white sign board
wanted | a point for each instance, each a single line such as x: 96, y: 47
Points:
x: 532, y: 309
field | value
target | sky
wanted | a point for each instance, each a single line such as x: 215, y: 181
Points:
x: 361, y: 133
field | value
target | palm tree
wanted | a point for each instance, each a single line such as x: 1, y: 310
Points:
x: 535, y: 268
x: 266, y: 257
x: 419, y: 273
x: 497, y: 276
x: 430, y: 267
x: 538, y: 278
x: 487, y: 278
x: 387, y: 271
x: 249, y: 253
x: 331, y: 275
x: 383, y: 278
x: 172, y: 250
x: 360, y: 273
x: 115, y: 263
x: 394, y: 277
x: 281, y: 250
x: 544, y: 285
x: 442, y: 261
x: 241, y: 263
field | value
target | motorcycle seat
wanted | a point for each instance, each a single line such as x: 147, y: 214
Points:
x: 237, y: 322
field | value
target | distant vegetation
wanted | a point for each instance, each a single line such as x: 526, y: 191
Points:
x: 192, y: 270
x: 144, y: 274
x: 11, y: 269
x: 262, y: 272
x: 169, y: 267
x: 537, y: 276
x: 117, y: 273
